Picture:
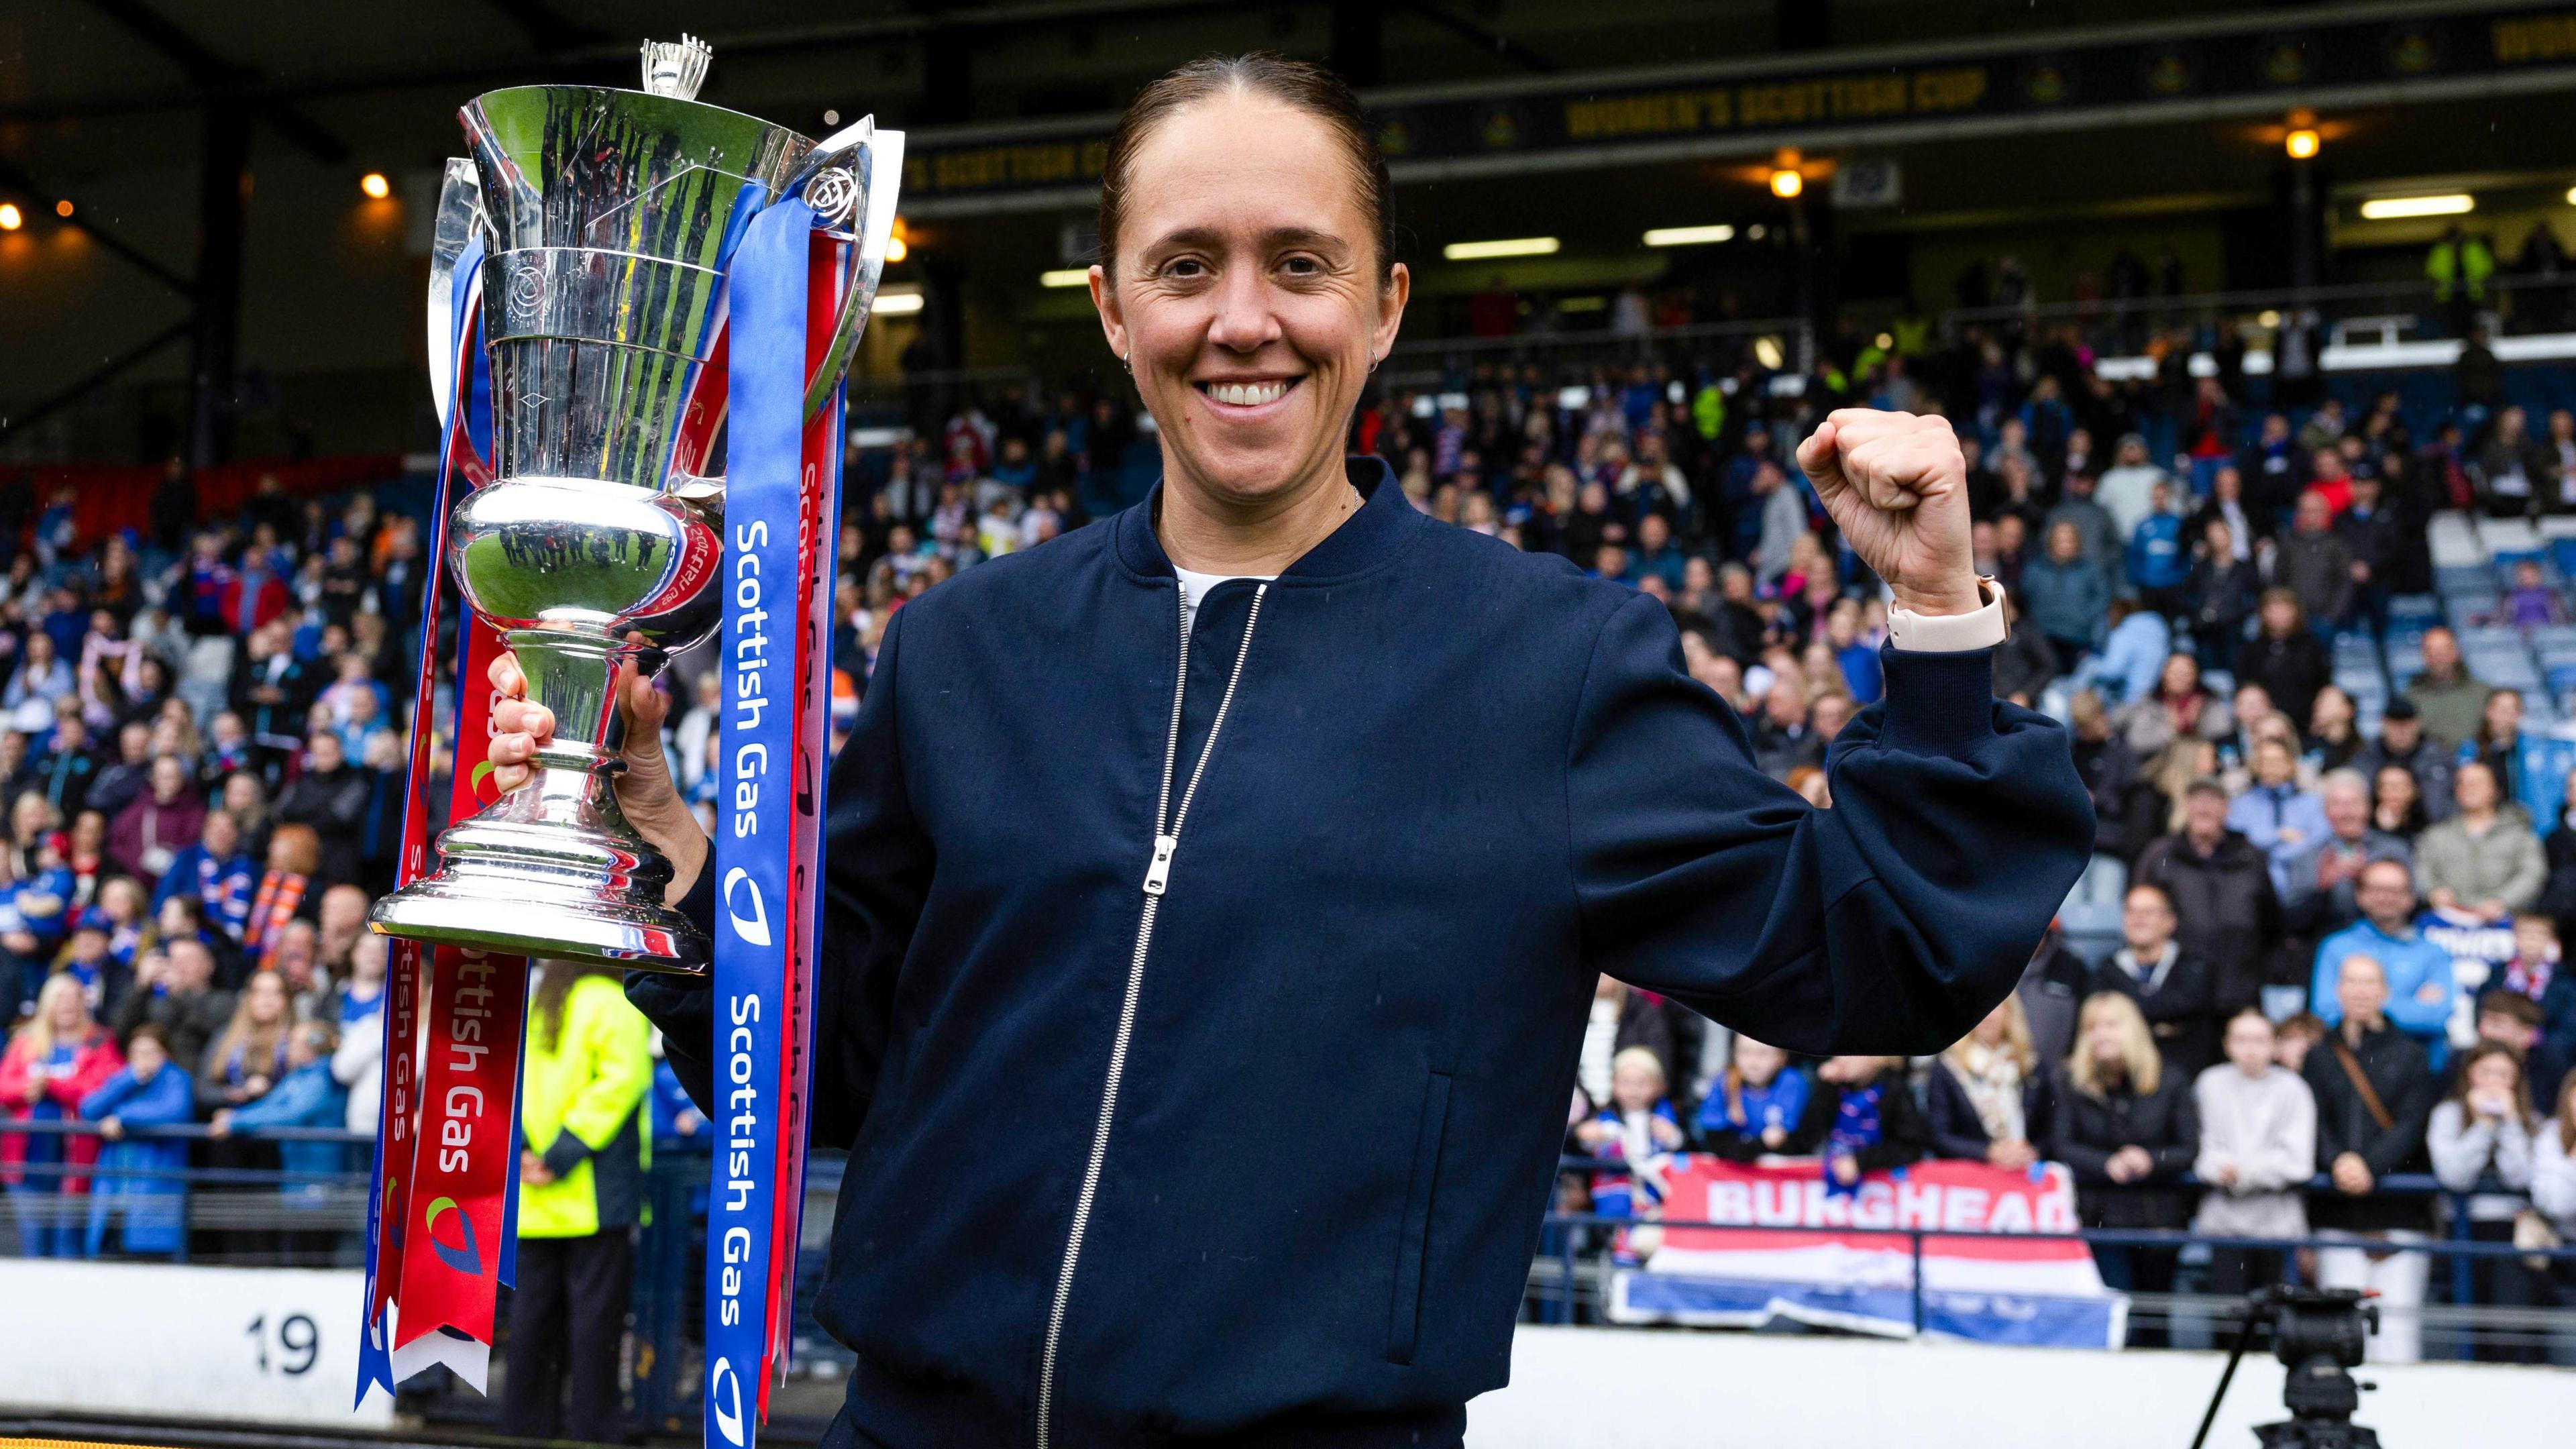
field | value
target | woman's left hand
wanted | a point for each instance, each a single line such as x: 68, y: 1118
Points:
x: 1897, y: 487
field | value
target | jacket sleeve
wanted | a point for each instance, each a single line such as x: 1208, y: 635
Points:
x: 2553, y: 1177
x: 2289, y: 1157
x: 2212, y: 1155
x: 103, y: 1102
x: 2530, y: 869
x: 2173, y: 1158
x: 2461, y: 1147
x: 621, y: 1055
x: 2411, y: 1012
x: 876, y: 874
x: 1889, y: 924
x: 2513, y: 1154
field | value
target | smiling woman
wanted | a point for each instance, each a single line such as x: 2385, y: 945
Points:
x: 1213, y: 913
x: 1247, y: 282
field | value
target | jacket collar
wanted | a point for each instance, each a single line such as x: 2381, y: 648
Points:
x: 1384, y: 523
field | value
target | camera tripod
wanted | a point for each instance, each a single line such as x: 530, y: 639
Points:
x: 2319, y: 1334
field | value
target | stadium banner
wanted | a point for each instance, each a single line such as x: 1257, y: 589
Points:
x: 201, y: 1345
x: 2245, y: 63
x: 1792, y: 1247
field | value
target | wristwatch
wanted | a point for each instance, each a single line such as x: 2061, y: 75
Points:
x: 1950, y: 633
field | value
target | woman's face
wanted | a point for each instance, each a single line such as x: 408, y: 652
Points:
x: 2249, y: 1044
x: 1247, y: 297
x: 2504, y: 715
x: 1757, y: 1062
x: 1992, y: 1031
x: 2105, y: 1040
x: 2396, y: 788
x: 2494, y: 1075
x: 146, y: 1057
x: 266, y: 996
x: 2475, y: 789
x: 2181, y: 675
x: 67, y: 1015
x: 2333, y: 706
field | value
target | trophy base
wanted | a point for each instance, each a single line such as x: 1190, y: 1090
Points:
x: 524, y: 879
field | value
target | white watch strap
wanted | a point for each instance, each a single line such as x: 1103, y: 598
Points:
x: 1949, y: 633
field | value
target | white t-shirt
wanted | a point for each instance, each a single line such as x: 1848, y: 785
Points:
x: 1195, y: 585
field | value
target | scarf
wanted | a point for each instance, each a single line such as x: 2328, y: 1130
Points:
x: 2531, y: 978
x: 1856, y: 1126
x: 1992, y: 1080
x: 279, y: 894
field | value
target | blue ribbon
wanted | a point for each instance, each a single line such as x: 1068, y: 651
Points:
x: 764, y: 507
x: 470, y: 409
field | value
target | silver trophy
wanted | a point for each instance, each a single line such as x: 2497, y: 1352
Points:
x: 608, y: 219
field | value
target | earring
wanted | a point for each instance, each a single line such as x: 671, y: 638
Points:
x: 1128, y: 363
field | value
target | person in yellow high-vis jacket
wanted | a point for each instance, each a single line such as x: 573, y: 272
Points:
x: 586, y: 1145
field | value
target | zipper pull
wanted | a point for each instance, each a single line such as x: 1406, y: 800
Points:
x: 1160, y: 870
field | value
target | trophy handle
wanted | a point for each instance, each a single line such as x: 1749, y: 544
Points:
x: 862, y: 158
x: 460, y: 214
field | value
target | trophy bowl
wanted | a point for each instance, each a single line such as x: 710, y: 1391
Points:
x: 608, y: 220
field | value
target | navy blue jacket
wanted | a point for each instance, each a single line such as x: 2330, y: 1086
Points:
x: 1454, y: 782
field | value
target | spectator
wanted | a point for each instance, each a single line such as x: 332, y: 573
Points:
x: 2123, y: 1125
x: 2334, y: 731
x: 2099, y: 536
x: 174, y: 993
x: 2066, y: 593
x: 117, y: 784
x: 2128, y: 488
x: 2485, y: 1128
x: 246, y: 1060
x: 1634, y: 1128
x: 1860, y: 1118
x: 2499, y: 744
x: 41, y: 674
x: 2530, y: 603
x: 2284, y: 657
x: 2317, y: 878
x: 2403, y: 745
x: 166, y: 819
x: 1758, y: 1101
x: 294, y: 855
x: 330, y: 795
x: 2372, y: 541
x: 1782, y: 738
x: 307, y: 1095
x: 2179, y: 707
x: 1987, y: 1100
x: 2025, y: 662
x: 2312, y: 563
x: 145, y: 1210
x: 2160, y: 559
x: 2513, y: 469
x: 2221, y: 889
x: 358, y: 1063
x: 2553, y: 1176
x: 1622, y: 1017
x: 2173, y: 990
x: 2375, y: 1093
x: 2536, y: 974
x: 2558, y: 897
x: 2416, y: 977
x: 587, y: 1071
x: 2051, y: 992
x: 65, y: 770
x: 2132, y: 657
x: 41, y: 902
x: 2274, y: 814
x: 2484, y: 859
x: 2446, y: 695
x: 58, y: 1057
x: 2126, y: 811
x: 2258, y: 1147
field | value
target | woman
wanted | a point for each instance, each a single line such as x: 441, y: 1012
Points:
x: 41, y: 674
x: 2285, y: 657
x: 1988, y: 1102
x: 144, y: 1207
x: 2498, y: 744
x: 2485, y: 1128
x: 244, y: 1062
x: 581, y: 1189
x: 164, y: 820
x: 2333, y: 737
x: 60, y: 1056
x: 2258, y: 1147
x: 2220, y: 592
x: 2066, y: 594
x: 2396, y: 803
x: 2484, y: 859
x: 2123, y: 1125
x: 2180, y: 707
x: 1358, y: 946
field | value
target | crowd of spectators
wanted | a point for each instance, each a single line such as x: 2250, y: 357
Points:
x: 202, y: 759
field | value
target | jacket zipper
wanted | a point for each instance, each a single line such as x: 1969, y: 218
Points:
x: 1158, y: 870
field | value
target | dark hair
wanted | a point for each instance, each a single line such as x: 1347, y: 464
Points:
x: 2505, y: 1001
x: 1293, y: 83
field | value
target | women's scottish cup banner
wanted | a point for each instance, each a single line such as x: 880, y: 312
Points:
x: 1788, y: 1249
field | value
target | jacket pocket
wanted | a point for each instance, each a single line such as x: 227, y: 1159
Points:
x: 1404, y: 1311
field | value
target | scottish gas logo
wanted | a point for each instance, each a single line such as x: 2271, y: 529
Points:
x: 465, y: 1257
x: 724, y: 1392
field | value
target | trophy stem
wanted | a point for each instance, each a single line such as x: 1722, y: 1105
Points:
x: 553, y: 869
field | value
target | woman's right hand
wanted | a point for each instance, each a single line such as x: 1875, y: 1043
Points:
x: 644, y: 788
